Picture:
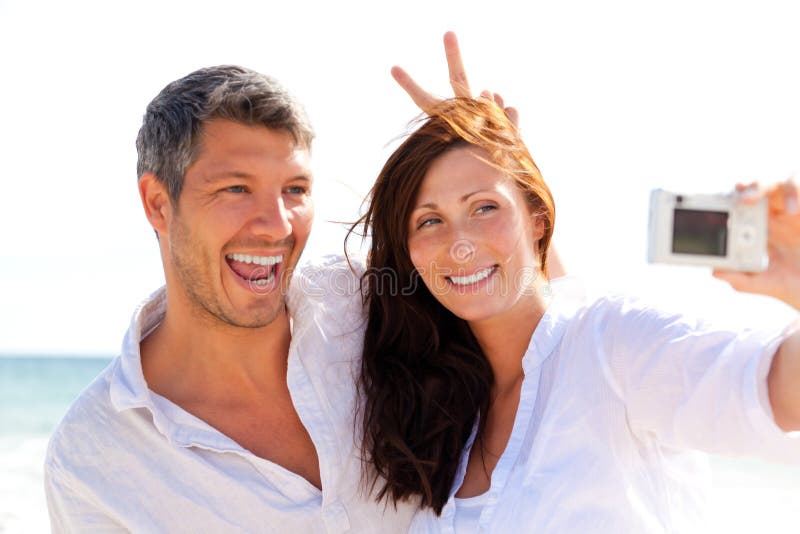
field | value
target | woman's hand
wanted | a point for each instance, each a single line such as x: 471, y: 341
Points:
x: 458, y: 81
x: 782, y: 278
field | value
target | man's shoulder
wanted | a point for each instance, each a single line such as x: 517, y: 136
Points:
x: 331, y: 270
x: 328, y: 285
x: 91, y: 415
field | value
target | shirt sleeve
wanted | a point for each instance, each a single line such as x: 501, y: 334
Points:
x: 692, y: 385
x: 72, y: 512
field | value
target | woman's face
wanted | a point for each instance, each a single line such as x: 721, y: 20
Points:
x: 472, y: 237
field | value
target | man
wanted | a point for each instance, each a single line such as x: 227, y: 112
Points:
x: 231, y: 407
x: 210, y: 419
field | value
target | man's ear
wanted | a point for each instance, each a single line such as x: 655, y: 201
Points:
x: 156, y: 202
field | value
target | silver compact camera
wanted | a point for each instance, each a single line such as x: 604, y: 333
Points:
x: 713, y: 230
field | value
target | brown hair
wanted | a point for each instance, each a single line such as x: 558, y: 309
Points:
x: 424, y: 378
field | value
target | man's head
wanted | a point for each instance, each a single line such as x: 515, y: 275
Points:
x: 169, y: 137
x: 225, y: 181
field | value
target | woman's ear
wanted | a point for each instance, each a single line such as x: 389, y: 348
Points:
x: 538, y: 224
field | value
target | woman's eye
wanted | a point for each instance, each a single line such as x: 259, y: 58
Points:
x: 486, y: 208
x: 429, y: 222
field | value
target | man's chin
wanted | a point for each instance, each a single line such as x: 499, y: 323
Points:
x: 256, y: 318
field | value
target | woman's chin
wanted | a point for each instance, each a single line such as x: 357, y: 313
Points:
x: 474, y: 312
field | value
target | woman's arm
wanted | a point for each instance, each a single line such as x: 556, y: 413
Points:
x: 782, y: 281
x: 783, y: 383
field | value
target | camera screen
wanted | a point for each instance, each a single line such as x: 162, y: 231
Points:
x: 700, y: 232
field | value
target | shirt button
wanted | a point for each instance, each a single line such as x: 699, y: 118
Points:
x: 336, y: 519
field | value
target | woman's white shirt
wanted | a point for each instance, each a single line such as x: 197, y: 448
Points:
x: 468, y: 513
x: 616, y: 400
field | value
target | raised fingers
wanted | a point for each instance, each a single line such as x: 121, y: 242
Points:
x: 455, y: 66
x: 422, y: 98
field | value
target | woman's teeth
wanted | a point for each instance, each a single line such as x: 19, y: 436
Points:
x: 471, y: 279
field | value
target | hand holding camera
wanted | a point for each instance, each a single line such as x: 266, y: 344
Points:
x: 781, y: 279
x: 718, y: 231
x: 751, y: 238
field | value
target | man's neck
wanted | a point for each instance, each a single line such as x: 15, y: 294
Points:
x: 187, y: 360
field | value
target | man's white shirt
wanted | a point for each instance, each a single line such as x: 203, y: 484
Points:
x: 125, y: 458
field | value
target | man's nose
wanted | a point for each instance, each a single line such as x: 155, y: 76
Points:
x: 270, y: 218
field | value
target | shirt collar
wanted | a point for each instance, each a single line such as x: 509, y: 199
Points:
x: 548, y: 333
x: 128, y: 387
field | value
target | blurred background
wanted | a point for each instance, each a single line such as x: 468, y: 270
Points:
x: 616, y: 98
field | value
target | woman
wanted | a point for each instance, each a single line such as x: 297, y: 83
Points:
x: 501, y: 408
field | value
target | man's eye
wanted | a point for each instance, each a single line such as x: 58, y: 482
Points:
x: 235, y: 189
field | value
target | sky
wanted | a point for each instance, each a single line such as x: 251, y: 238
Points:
x: 616, y: 98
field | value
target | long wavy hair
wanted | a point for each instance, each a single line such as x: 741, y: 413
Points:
x: 424, y: 378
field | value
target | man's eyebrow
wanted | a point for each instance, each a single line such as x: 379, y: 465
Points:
x: 226, y: 175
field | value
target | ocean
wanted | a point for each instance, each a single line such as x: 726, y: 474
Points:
x: 748, y: 495
x: 34, y: 394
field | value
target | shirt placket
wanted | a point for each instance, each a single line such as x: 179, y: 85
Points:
x: 502, y: 471
x: 304, y: 397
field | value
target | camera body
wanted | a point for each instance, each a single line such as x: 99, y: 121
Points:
x: 712, y: 230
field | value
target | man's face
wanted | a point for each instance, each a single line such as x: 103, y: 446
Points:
x: 242, y: 220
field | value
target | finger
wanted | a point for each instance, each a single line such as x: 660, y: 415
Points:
x: 749, y: 193
x: 499, y: 100
x: 455, y: 66
x: 422, y: 98
x: 513, y: 116
x: 790, y: 196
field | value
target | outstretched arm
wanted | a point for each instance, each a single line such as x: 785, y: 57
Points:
x: 782, y: 281
x: 783, y: 383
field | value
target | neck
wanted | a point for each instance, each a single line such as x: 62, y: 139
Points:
x: 191, y: 353
x: 504, y: 338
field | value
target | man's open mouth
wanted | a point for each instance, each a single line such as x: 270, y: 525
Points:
x: 257, y: 270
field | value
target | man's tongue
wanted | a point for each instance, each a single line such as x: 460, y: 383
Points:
x: 250, y: 271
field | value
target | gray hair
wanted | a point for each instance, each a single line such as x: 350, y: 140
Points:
x: 168, y: 140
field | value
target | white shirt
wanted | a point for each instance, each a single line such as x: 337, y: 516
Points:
x: 615, y: 397
x: 468, y: 513
x: 125, y: 458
